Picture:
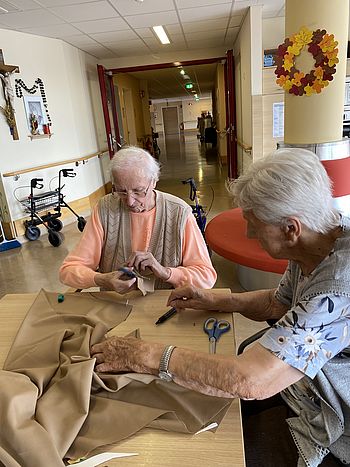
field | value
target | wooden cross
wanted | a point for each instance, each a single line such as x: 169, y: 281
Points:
x: 8, y: 110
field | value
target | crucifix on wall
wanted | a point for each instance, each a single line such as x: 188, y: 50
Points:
x: 8, y: 108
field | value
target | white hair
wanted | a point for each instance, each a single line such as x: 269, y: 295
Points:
x: 135, y: 160
x: 290, y: 182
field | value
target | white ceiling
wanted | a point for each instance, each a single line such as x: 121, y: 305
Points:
x: 123, y: 28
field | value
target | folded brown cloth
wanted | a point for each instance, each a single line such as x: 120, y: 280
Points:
x: 54, y: 406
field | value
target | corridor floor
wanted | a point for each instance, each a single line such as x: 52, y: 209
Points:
x: 35, y: 265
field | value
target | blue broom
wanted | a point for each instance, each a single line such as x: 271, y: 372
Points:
x: 7, y: 244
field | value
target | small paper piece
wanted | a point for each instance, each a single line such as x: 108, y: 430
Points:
x: 146, y: 286
x: 206, y: 428
x: 104, y: 457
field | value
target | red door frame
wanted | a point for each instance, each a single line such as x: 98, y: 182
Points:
x: 114, y: 110
x: 103, y: 77
x: 230, y: 98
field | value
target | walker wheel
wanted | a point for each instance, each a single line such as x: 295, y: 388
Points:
x: 55, y: 238
x: 81, y: 223
x: 32, y: 233
x: 55, y: 224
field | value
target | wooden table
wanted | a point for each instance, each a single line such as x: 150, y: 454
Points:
x: 156, y: 447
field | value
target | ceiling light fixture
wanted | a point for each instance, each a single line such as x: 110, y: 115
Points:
x: 159, y: 30
x: 183, y: 72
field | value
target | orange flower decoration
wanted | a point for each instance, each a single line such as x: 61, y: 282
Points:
x: 297, y: 78
x: 323, y: 48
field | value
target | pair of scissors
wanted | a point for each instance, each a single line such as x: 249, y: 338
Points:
x: 214, y: 328
x: 132, y: 273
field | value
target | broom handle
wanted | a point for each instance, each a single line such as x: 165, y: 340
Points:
x: 2, y: 232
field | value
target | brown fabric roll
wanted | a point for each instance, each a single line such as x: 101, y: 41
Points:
x: 54, y: 406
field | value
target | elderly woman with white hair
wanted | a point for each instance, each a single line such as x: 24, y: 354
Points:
x: 142, y: 229
x: 301, y: 365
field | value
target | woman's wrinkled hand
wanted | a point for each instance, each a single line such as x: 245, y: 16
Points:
x: 118, y: 354
x: 141, y: 260
x: 191, y: 297
x: 114, y: 281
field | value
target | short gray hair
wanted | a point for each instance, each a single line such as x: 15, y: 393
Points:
x: 135, y: 160
x: 289, y: 182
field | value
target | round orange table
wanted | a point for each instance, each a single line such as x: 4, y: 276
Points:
x: 226, y: 235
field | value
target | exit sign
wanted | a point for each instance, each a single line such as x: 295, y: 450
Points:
x: 188, y: 85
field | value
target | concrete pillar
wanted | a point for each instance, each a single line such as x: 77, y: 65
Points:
x: 317, y: 118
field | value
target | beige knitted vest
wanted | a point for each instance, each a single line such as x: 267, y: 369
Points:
x: 166, y: 239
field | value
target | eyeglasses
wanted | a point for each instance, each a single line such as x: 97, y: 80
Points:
x: 134, y: 193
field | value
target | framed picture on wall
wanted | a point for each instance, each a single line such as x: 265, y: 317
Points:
x: 347, y: 91
x: 270, y: 57
x: 35, y: 112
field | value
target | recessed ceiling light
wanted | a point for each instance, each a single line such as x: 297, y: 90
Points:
x: 186, y: 77
x: 183, y: 72
x: 159, y: 30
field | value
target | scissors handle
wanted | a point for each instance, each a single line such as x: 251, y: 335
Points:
x: 132, y: 273
x: 214, y: 328
x: 222, y: 326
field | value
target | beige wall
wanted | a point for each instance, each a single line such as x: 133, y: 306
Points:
x: 220, y: 116
x: 243, y: 80
x: 248, y: 62
x: 145, y: 108
x: 271, y: 94
x: 273, y: 32
x: 126, y: 81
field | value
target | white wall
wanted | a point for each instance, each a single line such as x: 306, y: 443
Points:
x: 70, y: 80
x: 273, y: 32
x: 186, y: 113
x: 193, y: 109
x: 73, y: 97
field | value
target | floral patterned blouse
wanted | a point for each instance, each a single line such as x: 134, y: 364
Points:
x: 312, y: 331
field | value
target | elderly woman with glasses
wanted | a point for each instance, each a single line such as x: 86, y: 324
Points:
x: 138, y: 227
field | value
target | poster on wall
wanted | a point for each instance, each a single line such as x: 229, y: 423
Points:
x: 36, y: 116
x: 278, y: 120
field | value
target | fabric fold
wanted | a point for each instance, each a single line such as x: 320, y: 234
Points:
x: 54, y: 405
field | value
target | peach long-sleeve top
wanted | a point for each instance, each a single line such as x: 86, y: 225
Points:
x: 79, y: 268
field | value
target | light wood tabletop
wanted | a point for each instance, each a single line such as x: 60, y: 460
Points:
x: 185, y: 329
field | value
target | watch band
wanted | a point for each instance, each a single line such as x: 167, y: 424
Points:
x: 164, y: 363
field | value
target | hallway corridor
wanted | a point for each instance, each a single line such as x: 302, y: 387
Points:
x: 35, y: 265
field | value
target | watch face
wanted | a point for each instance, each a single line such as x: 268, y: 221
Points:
x: 165, y: 375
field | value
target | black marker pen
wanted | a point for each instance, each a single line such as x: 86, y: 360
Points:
x: 166, y: 316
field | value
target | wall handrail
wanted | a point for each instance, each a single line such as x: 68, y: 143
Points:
x: 55, y: 164
x: 245, y: 147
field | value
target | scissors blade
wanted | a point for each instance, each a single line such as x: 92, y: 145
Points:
x: 212, y: 345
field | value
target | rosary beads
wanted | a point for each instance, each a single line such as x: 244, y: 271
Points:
x: 38, y: 84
